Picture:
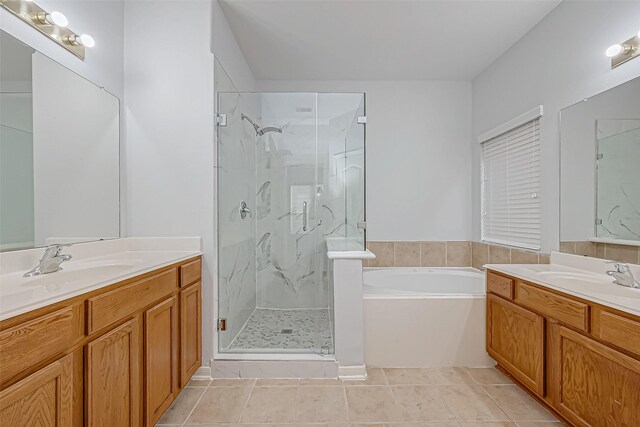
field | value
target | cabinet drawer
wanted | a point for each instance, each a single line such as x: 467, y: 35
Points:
x: 114, y: 305
x: 500, y: 285
x: 190, y: 273
x: 34, y: 341
x: 568, y: 311
x: 618, y: 330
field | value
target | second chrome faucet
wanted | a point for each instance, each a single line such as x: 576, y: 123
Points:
x: 623, y: 275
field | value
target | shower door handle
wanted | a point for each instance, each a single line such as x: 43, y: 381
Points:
x: 304, y: 216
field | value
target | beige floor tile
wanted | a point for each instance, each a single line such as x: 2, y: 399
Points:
x: 199, y: 383
x: 277, y: 382
x: 321, y: 404
x: 447, y: 376
x: 320, y: 382
x: 539, y: 424
x: 451, y: 424
x: 489, y: 424
x: 232, y: 382
x: 372, y: 404
x: 375, y: 376
x: 517, y: 404
x: 488, y: 376
x: 182, y: 406
x: 220, y: 405
x: 416, y: 376
x: 271, y: 405
x: 422, y: 403
x: 471, y: 403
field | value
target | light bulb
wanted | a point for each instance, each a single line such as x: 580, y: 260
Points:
x: 87, y: 40
x: 57, y: 18
x: 613, y: 50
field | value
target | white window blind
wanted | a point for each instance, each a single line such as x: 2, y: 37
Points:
x: 511, y: 187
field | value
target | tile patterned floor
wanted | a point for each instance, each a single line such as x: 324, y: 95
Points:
x: 447, y: 397
x: 310, y: 329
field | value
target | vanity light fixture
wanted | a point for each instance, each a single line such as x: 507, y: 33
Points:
x: 83, y: 40
x: 623, y: 52
x: 53, y: 18
x: 51, y: 24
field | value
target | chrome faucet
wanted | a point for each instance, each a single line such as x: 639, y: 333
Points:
x: 50, y: 261
x: 623, y: 275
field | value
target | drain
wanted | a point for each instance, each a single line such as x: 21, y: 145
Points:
x: 286, y: 331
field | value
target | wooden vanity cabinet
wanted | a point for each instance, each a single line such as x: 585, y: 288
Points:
x: 43, y: 398
x: 161, y: 358
x: 112, y: 377
x: 515, y: 339
x: 580, y: 359
x: 117, y: 356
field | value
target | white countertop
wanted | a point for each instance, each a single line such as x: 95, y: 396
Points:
x: 578, y: 276
x: 93, y: 266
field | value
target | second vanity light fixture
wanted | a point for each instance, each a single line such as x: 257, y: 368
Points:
x: 51, y: 24
x: 621, y: 53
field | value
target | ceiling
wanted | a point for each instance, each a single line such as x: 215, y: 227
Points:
x: 378, y: 40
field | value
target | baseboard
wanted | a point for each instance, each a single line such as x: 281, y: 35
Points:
x: 203, y: 373
x: 352, y: 372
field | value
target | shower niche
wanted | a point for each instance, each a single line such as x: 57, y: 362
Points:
x: 290, y: 175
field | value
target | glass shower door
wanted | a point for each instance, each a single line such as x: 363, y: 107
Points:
x: 290, y: 176
x: 270, y: 293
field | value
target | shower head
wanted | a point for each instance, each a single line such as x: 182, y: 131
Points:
x: 254, y: 124
x: 260, y: 131
x: 269, y: 129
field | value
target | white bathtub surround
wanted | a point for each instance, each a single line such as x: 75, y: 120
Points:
x: 580, y: 276
x: 93, y: 265
x: 346, y: 269
x: 424, y: 317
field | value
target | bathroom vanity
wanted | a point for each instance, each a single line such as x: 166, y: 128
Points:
x: 116, y: 354
x: 569, y: 337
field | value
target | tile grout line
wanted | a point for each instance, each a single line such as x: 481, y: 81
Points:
x: 196, y: 404
x: 244, y: 408
x: 496, y: 402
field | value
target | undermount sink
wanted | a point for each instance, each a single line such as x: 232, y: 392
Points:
x: 74, y: 274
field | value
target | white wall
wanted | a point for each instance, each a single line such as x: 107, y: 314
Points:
x: 169, y: 129
x: 227, y: 51
x: 417, y: 141
x: 559, y: 62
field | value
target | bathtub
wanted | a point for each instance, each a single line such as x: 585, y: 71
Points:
x: 424, y: 317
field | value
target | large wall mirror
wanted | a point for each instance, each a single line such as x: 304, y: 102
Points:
x: 59, y: 153
x: 600, y: 174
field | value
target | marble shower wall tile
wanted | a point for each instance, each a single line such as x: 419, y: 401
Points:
x: 303, y: 163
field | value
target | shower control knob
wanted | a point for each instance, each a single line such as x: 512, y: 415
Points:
x: 244, y: 210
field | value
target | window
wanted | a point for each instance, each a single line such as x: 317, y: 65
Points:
x: 510, y: 176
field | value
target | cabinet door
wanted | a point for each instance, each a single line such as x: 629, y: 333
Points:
x: 598, y: 386
x: 113, y: 377
x: 44, y: 398
x: 190, y: 332
x: 515, y: 338
x: 161, y: 358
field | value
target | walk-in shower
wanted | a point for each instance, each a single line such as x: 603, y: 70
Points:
x: 290, y: 176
